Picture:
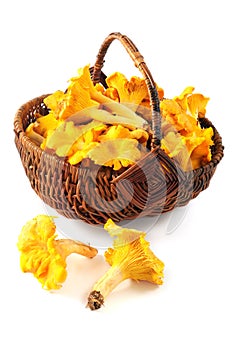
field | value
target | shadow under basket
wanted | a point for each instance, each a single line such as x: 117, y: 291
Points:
x: 92, y: 193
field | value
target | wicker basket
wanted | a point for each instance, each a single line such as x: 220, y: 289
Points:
x: 154, y: 185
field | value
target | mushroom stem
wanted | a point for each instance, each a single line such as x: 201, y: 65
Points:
x: 34, y: 136
x: 107, y: 117
x: 109, y: 281
x: 67, y: 246
x: 116, y: 107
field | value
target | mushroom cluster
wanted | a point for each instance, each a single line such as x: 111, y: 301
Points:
x: 111, y: 125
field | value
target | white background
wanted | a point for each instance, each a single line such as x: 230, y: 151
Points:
x: 184, y: 43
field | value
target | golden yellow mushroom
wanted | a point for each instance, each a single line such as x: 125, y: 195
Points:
x: 54, y: 101
x: 191, y: 151
x: 45, y: 124
x: 184, y: 139
x: 44, y: 255
x: 65, y: 138
x: 197, y: 105
x: 133, y: 91
x: 130, y: 258
x: 33, y: 135
x: 121, y: 132
x: 116, y: 153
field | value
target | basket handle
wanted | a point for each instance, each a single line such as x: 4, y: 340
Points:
x: 141, y: 65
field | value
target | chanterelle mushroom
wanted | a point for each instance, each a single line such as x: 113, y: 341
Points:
x: 44, y: 255
x: 131, y: 258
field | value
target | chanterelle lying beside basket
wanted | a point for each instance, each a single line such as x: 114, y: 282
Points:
x: 114, y: 148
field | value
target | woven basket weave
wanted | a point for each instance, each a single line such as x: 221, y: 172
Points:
x: 155, y: 184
